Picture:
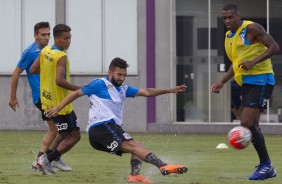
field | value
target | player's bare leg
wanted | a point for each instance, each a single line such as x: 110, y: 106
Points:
x: 143, y: 154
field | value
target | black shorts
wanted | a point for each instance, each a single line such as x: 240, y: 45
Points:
x: 256, y: 96
x: 39, y: 106
x: 108, y: 137
x: 66, y: 123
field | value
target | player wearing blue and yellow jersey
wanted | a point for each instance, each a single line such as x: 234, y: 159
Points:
x: 41, y: 36
x: 53, y: 66
x: 107, y: 97
x: 249, y: 48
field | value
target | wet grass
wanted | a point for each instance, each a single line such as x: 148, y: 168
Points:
x: 207, y: 165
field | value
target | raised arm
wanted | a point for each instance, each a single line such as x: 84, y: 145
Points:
x: 60, y: 75
x: 147, y: 92
x: 70, y: 98
x: 256, y: 33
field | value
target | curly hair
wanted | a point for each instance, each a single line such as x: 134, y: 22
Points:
x: 118, y: 62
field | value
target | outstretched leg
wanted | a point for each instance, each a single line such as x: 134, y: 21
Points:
x: 143, y: 154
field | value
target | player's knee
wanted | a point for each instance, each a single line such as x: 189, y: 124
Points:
x: 139, y: 143
x: 77, y: 135
x: 133, y: 146
x: 247, y: 123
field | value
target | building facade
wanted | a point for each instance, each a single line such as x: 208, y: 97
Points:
x: 166, y: 42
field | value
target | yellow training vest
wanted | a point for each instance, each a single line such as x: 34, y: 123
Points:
x: 238, y: 52
x: 50, y: 93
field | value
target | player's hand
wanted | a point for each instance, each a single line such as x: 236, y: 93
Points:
x: 52, y: 112
x: 180, y: 88
x: 14, y: 103
x: 216, y: 87
x: 246, y: 65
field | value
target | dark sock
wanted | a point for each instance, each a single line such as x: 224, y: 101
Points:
x: 39, y: 154
x: 259, y: 144
x: 152, y: 159
x: 48, y: 152
x: 135, y: 167
x: 53, y: 155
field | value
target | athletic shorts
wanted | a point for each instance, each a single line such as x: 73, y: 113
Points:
x: 256, y: 96
x: 66, y: 123
x: 39, y: 106
x: 108, y: 137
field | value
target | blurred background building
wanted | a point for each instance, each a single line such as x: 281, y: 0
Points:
x: 166, y: 43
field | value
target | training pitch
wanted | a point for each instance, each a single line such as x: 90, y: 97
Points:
x: 206, y: 164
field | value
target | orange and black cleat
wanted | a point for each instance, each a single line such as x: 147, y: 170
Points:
x: 138, y: 179
x: 178, y: 169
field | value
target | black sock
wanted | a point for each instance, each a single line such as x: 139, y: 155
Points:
x: 53, y: 155
x: 39, y: 154
x: 48, y: 152
x: 135, y: 166
x: 259, y: 144
x: 152, y: 159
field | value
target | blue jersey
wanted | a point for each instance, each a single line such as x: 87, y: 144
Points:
x: 107, y: 101
x: 260, y: 79
x: 99, y: 88
x: 28, y: 57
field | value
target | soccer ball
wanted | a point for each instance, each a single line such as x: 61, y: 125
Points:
x: 239, y: 137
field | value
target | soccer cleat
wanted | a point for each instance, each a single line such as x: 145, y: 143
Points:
x: 34, y: 166
x: 138, y: 179
x: 263, y: 171
x: 61, y: 165
x: 178, y: 169
x: 44, y: 164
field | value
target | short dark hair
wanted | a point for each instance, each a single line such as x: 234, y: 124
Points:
x: 59, y: 29
x: 230, y: 7
x: 118, y: 62
x: 41, y: 25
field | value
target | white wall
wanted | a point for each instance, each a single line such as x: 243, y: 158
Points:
x: 27, y: 117
x: 101, y: 31
x: 19, y: 18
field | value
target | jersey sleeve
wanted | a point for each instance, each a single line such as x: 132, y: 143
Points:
x: 131, y: 91
x: 93, y: 87
x: 25, y: 60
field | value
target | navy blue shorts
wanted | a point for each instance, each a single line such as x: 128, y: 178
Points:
x: 256, y: 96
x: 66, y: 123
x: 39, y: 106
x: 108, y: 137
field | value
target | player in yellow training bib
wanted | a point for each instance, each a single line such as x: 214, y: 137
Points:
x: 249, y: 48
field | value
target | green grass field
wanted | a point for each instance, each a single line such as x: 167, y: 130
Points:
x: 207, y: 165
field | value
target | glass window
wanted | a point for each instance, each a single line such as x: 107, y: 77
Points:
x: 192, y: 59
x: 200, y: 54
x: 121, y: 32
x: 10, y: 11
x: 35, y: 11
x: 102, y: 31
x: 21, y: 16
x: 275, y: 27
x: 85, y: 53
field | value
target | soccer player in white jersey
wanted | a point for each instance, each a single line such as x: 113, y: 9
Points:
x: 107, y: 97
